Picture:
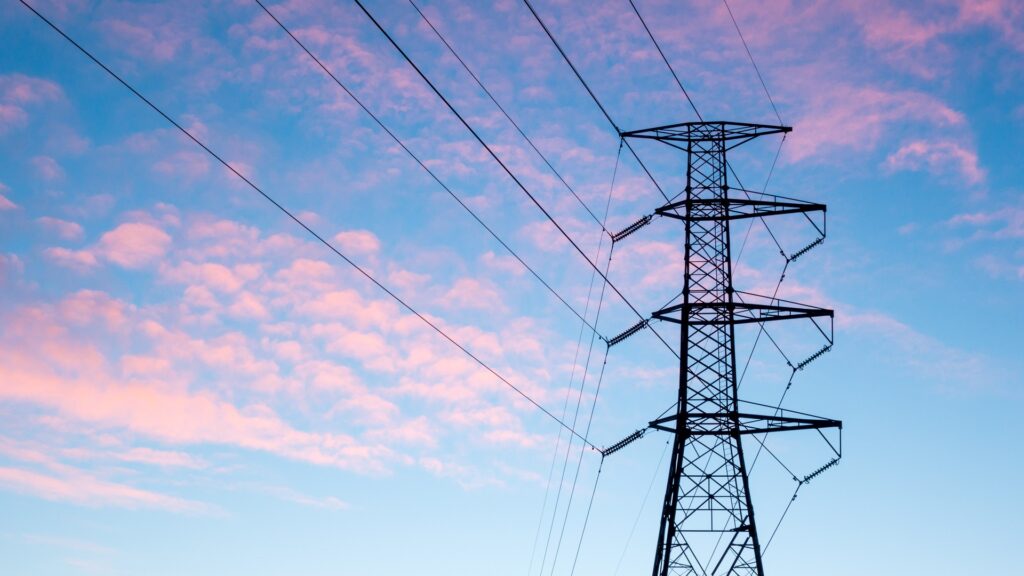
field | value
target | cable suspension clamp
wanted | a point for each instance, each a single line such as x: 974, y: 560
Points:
x: 624, y: 442
x: 633, y: 227
x: 632, y: 330
x: 813, y: 357
x: 805, y: 249
x: 818, y: 472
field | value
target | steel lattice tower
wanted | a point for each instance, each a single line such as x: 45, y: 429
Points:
x: 707, y: 521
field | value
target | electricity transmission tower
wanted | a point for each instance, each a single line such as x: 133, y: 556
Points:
x: 707, y: 523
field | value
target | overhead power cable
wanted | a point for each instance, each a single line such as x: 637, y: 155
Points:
x: 751, y: 57
x: 508, y: 116
x: 593, y: 96
x: 303, y: 225
x: 579, y: 398
x: 427, y: 169
x: 505, y: 167
x: 665, y: 59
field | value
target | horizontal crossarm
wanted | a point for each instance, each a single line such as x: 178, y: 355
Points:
x: 739, y: 423
x: 724, y: 313
x: 707, y: 131
x: 697, y: 209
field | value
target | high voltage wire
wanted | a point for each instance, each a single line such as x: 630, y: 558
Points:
x: 665, y: 59
x: 546, y: 161
x: 304, y: 226
x: 751, y: 57
x: 594, y: 97
x: 579, y: 399
x: 601, y: 223
x: 505, y: 167
x: 590, y: 418
x: 508, y: 116
x: 423, y: 165
x: 689, y: 99
x: 643, y: 504
x: 762, y: 330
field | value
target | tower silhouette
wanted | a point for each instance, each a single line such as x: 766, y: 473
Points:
x: 707, y: 525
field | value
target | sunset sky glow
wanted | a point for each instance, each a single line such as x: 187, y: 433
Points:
x: 191, y: 384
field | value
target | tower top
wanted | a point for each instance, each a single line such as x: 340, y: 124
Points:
x: 707, y: 131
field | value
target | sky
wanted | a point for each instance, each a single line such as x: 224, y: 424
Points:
x: 191, y: 383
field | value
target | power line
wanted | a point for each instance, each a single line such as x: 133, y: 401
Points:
x: 643, y: 504
x: 504, y: 167
x: 573, y: 66
x: 304, y: 226
x: 508, y: 116
x: 751, y: 57
x: 590, y: 420
x: 586, y: 519
x: 423, y: 165
x: 583, y: 380
x: 593, y: 96
x: 670, y: 69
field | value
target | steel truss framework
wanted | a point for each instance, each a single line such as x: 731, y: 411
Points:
x: 707, y: 522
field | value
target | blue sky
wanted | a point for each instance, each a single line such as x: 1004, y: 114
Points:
x: 190, y: 384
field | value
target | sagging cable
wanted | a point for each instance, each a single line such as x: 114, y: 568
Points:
x: 623, y: 443
x: 632, y: 330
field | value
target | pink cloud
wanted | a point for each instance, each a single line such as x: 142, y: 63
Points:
x: 406, y: 280
x: 84, y: 489
x: 130, y: 245
x: 370, y: 348
x: 185, y: 164
x: 75, y: 259
x: 288, y: 350
x: 10, y: 266
x: 144, y: 365
x: 350, y: 305
x: 133, y: 245
x: 366, y: 409
x: 162, y: 458
x: 304, y: 274
x: 249, y: 306
x: 543, y: 235
x: 200, y: 297
x: 416, y: 432
x: 506, y: 264
x: 18, y: 92
x: 47, y: 168
x: 938, y: 157
x: 211, y: 238
x: 844, y: 116
x: 170, y: 416
x: 326, y: 376
x: 473, y: 294
x: 289, y: 495
x: 154, y: 41
x: 1005, y: 16
x: 6, y: 204
x: 358, y: 242
x: 89, y: 306
x: 64, y: 229
x: 924, y: 353
x: 61, y: 482
x: 1001, y: 224
x: 218, y: 277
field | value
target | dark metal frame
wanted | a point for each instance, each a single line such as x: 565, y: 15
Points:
x: 708, y: 487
